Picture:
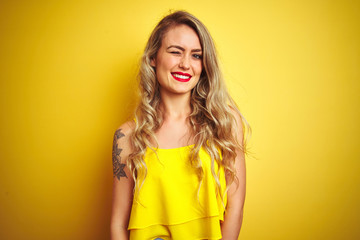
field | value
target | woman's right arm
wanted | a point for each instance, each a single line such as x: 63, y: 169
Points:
x: 122, y: 184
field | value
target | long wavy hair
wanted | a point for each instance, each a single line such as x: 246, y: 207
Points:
x: 212, y: 109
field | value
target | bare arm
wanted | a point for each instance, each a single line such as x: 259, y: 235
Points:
x: 122, y: 185
x: 231, y: 226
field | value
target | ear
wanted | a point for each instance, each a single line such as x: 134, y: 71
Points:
x: 152, y: 62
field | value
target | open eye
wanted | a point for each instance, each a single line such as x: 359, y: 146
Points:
x: 197, y: 56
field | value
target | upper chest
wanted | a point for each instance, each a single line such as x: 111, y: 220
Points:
x: 174, y: 134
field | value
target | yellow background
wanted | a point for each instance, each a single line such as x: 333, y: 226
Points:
x: 67, y: 71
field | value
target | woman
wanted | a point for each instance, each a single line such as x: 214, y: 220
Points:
x: 179, y: 166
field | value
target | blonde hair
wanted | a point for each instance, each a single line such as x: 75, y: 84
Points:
x: 212, y: 118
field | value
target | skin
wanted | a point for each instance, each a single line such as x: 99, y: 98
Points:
x: 123, y: 183
x: 231, y: 226
x: 180, y: 52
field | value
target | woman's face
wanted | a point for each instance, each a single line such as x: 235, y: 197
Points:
x: 178, y: 62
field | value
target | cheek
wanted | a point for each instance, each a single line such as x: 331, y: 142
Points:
x: 166, y: 64
x: 199, y: 68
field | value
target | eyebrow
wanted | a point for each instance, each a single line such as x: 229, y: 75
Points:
x: 183, y: 49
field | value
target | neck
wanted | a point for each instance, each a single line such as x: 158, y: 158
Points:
x: 175, y: 106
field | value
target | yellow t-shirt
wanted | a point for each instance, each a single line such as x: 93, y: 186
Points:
x: 169, y: 205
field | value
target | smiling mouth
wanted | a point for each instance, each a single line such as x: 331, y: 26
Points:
x: 181, y: 77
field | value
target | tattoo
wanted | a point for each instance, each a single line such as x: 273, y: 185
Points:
x: 118, y: 167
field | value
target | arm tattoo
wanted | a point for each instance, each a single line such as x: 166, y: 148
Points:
x: 118, y: 167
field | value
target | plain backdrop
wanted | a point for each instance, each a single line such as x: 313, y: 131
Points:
x: 68, y: 80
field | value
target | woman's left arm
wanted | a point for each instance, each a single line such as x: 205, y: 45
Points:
x: 230, y: 228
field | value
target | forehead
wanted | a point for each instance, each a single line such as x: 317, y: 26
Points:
x: 183, y: 36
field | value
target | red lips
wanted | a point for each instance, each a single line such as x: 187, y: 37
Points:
x: 181, y: 77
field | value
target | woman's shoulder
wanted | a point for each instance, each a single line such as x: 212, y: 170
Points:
x: 122, y: 136
x: 237, y: 116
x: 126, y: 128
x: 239, y: 127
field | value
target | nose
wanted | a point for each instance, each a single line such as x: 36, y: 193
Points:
x: 184, y: 62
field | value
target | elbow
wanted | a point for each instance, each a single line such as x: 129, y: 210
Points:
x: 118, y: 231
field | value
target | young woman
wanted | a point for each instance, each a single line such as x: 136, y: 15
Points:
x: 179, y: 166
